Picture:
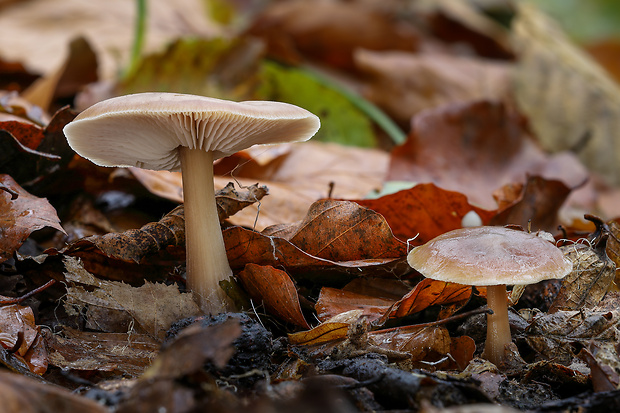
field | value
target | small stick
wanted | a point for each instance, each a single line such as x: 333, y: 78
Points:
x: 37, y: 290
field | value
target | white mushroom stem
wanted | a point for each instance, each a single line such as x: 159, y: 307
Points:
x: 207, y: 263
x: 498, y: 328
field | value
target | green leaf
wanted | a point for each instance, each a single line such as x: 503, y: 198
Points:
x: 341, y: 121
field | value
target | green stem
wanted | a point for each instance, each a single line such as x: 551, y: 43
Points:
x: 367, y: 107
x: 138, y: 40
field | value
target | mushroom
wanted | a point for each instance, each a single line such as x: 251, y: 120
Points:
x: 493, y: 257
x: 169, y: 131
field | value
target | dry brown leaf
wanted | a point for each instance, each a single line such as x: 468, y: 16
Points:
x: 108, y: 26
x: 123, y: 354
x: 20, y: 215
x: 592, y: 275
x: 275, y: 290
x: 570, y: 101
x: 430, y: 292
x: 484, y: 138
x: 420, y: 343
x: 334, y: 301
x: 21, y: 336
x: 25, y: 395
x: 404, y: 84
x: 328, y: 31
x: 341, y: 231
x: 117, y: 307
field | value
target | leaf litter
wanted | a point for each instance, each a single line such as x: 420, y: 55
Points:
x: 329, y: 303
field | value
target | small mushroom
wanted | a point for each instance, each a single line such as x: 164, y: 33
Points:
x: 492, y: 257
x: 168, y: 131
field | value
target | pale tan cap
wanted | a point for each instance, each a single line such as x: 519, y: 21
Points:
x: 145, y: 129
x: 489, y: 255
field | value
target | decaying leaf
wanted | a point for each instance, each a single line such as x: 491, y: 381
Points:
x: 570, y: 101
x: 592, y: 274
x: 333, y: 301
x: 23, y: 394
x: 122, y: 354
x: 554, y: 336
x: 341, y: 231
x: 21, y: 214
x: 275, y: 290
x: 117, y: 307
x: 20, y: 335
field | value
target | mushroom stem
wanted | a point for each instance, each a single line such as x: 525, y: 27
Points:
x: 498, y: 328
x: 207, y: 263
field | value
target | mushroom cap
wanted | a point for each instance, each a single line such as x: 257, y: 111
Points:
x: 145, y: 129
x: 489, y: 255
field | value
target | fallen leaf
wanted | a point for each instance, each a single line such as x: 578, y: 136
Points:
x: 192, y: 348
x: 604, y: 378
x: 403, y: 84
x: 334, y: 301
x: 577, y: 107
x: 424, y: 212
x: 244, y: 246
x: 321, y: 334
x: 275, y: 290
x: 122, y: 354
x: 152, y: 307
x: 554, y: 336
x: 20, y: 335
x: 590, y: 279
x: 341, y: 231
x: 431, y: 292
x: 21, y: 214
x: 535, y: 203
x: 484, y: 138
x: 420, y: 343
x: 23, y: 394
x: 329, y: 32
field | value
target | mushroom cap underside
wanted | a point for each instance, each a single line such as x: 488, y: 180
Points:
x: 145, y: 129
x: 489, y: 255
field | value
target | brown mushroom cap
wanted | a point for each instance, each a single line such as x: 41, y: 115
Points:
x: 145, y: 129
x: 489, y: 255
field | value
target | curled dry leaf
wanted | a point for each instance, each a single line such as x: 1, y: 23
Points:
x: 244, y: 246
x: 20, y: 335
x: 20, y: 215
x: 275, y: 289
x: 424, y: 212
x: 431, y: 292
x: 333, y: 301
x: 341, y: 231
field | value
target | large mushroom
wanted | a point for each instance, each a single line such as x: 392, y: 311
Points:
x: 169, y: 131
x: 492, y: 257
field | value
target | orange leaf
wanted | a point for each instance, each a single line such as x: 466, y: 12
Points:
x: 425, y: 211
x: 21, y: 216
x: 320, y: 334
x: 430, y: 292
x: 276, y: 290
x: 333, y: 301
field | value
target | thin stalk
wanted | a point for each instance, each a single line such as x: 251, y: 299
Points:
x: 207, y: 263
x: 498, y: 327
x: 138, y: 39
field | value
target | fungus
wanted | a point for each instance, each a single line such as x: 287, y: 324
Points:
x: 168, y: 131
x: 492, y: 257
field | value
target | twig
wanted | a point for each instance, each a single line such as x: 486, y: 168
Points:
x: 37, y: 290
